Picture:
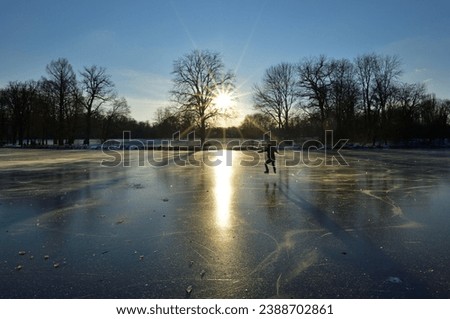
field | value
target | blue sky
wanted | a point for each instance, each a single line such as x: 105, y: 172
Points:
x: 137, y: 41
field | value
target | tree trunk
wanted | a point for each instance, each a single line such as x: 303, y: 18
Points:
x: 202, y: 132
x: 88, y: 128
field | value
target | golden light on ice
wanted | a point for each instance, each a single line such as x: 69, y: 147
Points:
x: 223, y: 193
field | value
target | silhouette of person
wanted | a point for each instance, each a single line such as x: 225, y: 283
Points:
x: 270, y: 150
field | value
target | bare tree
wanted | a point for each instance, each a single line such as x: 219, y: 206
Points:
x: 198, y: 78
x: 377, y: 76
x: 4, y: 117
x: 403, y: 112
x: 255, y: 125
x: 277, y: 97
x: 161, y: 114
x: 408, y: 98
x: 97, y: 89
x: 167, y: 122
x: 315, y: 84
x: 344, y: 93
x: 119, y: 111
x: 62, y: 86
x: 387, y: 72
x: 435, y: 115
x: 19, y: 98
x: 365, y: 73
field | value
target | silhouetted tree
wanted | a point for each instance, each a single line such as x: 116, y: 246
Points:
x: 114, y: 118
x: 19, y: 98
x: 167, y: 122
x: 403, y: 115
x: 42, y: 124
x: 278, y: 97
x: 255, y: 125
x: 434, y: 117
x: 4, y: 118
x: 198, y: 78
x: 343, y: 96
x: 377, y: 76
x: 315, y: 84
x: 365, y: 70
x: 386, y: 73
x: 61, y: 86
x: 98, y: 89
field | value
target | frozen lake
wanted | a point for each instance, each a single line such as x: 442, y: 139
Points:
x: 378, y: 227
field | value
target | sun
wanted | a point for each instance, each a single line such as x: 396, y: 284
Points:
x: 223, y: 100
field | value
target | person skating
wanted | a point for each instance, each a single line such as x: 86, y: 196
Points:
x: 270, y: 150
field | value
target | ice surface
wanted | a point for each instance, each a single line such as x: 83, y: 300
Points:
x: 377, y: 228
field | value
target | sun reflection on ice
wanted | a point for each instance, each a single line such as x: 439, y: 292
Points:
x: 223, y: 192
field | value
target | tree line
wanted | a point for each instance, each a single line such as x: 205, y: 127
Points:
x: 363, y: 100
x: 61, y: 108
